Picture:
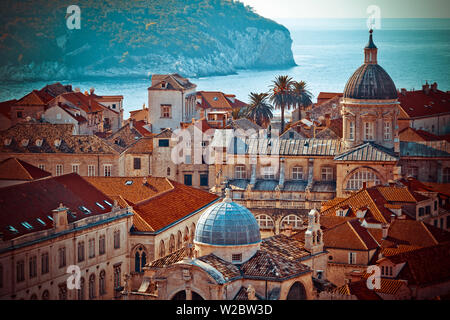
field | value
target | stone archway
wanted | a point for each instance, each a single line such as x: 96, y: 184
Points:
x: 181, y: 295
x: 297, y: 292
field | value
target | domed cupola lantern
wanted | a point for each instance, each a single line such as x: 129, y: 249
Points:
x: 369, y: 106
x: 227, y: 230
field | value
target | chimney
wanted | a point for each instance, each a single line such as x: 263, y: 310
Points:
x: 60, y: 218
x: 385, y: 230
x: 143, y: 106
x: 434, y: 87
x: 131, y: 124
x: 77, y: 89
x: 403, y: 91
x: 426, y: 88
x: 92, y: 90
x: 144, y: 181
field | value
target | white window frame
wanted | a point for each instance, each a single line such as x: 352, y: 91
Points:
x: 387, y: 130
x: 352, y: 258
x: 369, y: 131
x: 166, y: 111
x: 77, y: 166
x: 351, y: 130
x: 297, y: 173
x: 107, y: 170
x: 264, y: 221
x: 328, y: 172
x: 293, y: 220
x: 268, y: 173
x: 59, y: 170
x: 240, y: 172
x: 91, y: 170
x: 357, y: 179
x: 41, y: 166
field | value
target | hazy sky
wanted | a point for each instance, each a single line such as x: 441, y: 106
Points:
x: 350, y: 8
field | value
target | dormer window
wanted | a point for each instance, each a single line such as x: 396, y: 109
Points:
x: 236, y: 257
x: 38, y: 142
x: 25, y: 142
x: 57, y: 143
x: 7, y: 141
x: 163, y: 85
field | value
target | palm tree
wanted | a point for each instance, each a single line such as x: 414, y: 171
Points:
x: 239, y: 113
x: 302, y: 96
x: 259, y: 109
x: 282, y: 95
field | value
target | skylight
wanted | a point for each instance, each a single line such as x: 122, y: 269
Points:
x: 100, y: 206
x: 84, y: 209
x: 50, y: 217
x: 129, y: 182
x: 40, y: 221
x: 27, y: 225
x: 12, y: 229
x: 108, y: 203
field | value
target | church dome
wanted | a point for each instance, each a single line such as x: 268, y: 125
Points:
x: 227, y: 223
x: 370, y: 81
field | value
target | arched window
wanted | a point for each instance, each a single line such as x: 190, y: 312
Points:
x: 91, y: 286
x: 446, y: 175
x: 359, y: 178
x: 239, y: 172
x: 314, y: 237
x: 137, y: 262
x: 264, y: 221
x: 162, y: 249
x: 292, y: 220
x: 102, y: 283
x: 297, y: 173
x: 186, y: 235
x: 319, y: 234
x: 81, y: 295
x: 191, y: 239
x: 179, y: 240
x: 172, y: 243
x: 33, y: 297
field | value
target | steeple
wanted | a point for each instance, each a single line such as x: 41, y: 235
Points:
x: 370, y: 51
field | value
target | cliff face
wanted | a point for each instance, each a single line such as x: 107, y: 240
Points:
x: 190, y: 37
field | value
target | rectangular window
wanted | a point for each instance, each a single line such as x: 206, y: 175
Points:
x: 327, y: 173
x: 1, y: 276
x: 204, y: 180
x: 297, y: 173
x: 44, y: 263
x: 117, y: 272
x: 101, y: 245
x: 369, y: 131
x: 91, y: 170
x: 351, y: 130
x: 428, y: 210
x: 435, y: 205
x: 80, y: 251
x: 163, y: 142
x: 59, y: 169
x: 387, y: 130
x: 448, y: 222
x: 435, y: 223
x: 41, y: 166
x: 268, y: 173
x: 91, y: 248
x: 412, y: 172
x: 240, y: 172
x: 20, y: 270
x: 33, y: 266
x: 442, y: 223
x: 188, y: 179
x: 117, y: 239
x: 421, y: 212
x: 137, y: 163
x: 107, y: 170
x: 352, y: 257
x: 236, y: 257
x: 62, y: 257
x: 76, y: 168
x: 166, y: 111
x: 19, y: 114
x: 187, y: 159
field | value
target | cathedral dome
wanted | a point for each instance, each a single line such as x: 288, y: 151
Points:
x: 370, y: 81
x: 228, y: 224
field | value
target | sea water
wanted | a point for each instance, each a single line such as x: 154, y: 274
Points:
x: 326, y: 52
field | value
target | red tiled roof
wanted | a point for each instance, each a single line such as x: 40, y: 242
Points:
x: 349, y: 235
x: 34, y: 98
x: 358, y: 289
x: 413, y: 135
x: 218, y: 100
x: 139, y: 126
x: 329, y: 95
x: 419, y: 104
x: 5, y: 107
x: 424, y: 266
x: 168, y: 207
x: 29, y: 201
x: 15, y: 169
x: 84, y: 102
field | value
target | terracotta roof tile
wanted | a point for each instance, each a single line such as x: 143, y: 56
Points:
x: 5, y: 107
x: 176, y: 203
x: 286, y: 247
x: 170, y: 259
x: 142, y: 146
x: 228, y: 270
x: 15, y: 169
x: 418, y: 104
x: 349, y: 235
x: 36, y: 199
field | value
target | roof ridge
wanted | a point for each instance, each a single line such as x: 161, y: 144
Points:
x: 357, y: 234
x: 429, y: 232
x: 19, y: 162
x: 172, y: 188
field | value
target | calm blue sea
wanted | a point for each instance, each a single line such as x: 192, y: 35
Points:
x: 327, y: 52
